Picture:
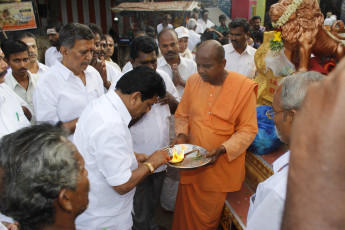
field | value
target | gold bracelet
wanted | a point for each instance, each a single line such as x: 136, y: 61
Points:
x: 150, y: 167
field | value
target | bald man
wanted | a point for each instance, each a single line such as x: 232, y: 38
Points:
x: 218, y: 112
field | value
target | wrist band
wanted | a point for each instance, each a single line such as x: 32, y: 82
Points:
x: 150, y: 167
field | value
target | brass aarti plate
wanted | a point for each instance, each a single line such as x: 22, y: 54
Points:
x: 193, y: 159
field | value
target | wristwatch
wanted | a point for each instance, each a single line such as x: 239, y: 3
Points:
x: 150, y: 167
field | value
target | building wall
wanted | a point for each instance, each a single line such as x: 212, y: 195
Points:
x: 240, y: 9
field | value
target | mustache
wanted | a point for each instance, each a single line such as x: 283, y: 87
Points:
x: 3, y: 72
x: 170, y: 52
x: 23, y: 69
x: 32, y: 55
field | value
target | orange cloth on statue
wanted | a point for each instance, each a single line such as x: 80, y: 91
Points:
x: 218, y: 115
x: 208, y: 213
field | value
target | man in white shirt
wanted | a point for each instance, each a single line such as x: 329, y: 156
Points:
x: 267, y: 205
x: 108, y: 73
x: 52, y: 54
x: 12, y: 116
x: 66, y: 88
x: 109, y: 51
x: 194, y: 38
x: 240, y: 56
x: 35, y: 67
x: 19, y: 79
x: 150, y: 133
x: 204, y: 22
x: 104, y: 140
x: 178, y: 68
x: 165, y: 23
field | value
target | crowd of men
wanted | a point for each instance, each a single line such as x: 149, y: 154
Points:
x: 81, y: 139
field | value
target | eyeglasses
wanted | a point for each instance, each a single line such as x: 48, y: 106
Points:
x: 270, y: 113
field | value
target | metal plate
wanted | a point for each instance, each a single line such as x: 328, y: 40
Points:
x: 191, y: 161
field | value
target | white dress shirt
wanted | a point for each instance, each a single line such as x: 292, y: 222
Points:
x: 12, y: 116
x: 104, y: 140
x: 51, y: 56
x: 203, y: 25
x: 151, y: 132
x: 127, y: 67
x: 240, y: 63
x: 160, y: 27
x: 26, y: 95
x: 193, y: 40
x: 113, y: 64
x: 266, y: 211
x: 186, y: 68
x: 42, y: 68
x: 113, y: 74
x: 61, y: 96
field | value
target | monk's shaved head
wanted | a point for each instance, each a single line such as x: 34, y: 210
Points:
x: 210, y: 62
x: 210, y: 48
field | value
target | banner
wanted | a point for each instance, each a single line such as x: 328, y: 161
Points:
x: 17, y: 16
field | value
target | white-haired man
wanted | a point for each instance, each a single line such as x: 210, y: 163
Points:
x: 194, y: 38
x: 267, y: 204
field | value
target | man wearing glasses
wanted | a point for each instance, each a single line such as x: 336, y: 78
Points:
x: 267, y: 205
x: 240, y: 56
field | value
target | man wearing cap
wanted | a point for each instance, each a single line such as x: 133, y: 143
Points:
x: 183, y: 37
x: 177, y: 67
x: 52, y: 54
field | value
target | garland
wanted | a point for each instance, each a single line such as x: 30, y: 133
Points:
x: 287, y: 14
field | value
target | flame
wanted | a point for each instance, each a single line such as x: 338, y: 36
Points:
x: 178, y: 157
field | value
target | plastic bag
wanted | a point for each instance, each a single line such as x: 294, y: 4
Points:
x: 278, y: 63
x: 266, y: 140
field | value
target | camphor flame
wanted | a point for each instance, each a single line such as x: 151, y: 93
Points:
x: 178, y: 157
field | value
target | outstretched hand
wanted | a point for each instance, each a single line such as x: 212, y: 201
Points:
x: 215, y: 153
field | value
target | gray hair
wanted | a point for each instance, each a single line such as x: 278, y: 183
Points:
x: 294, y: 88
x: 73, y: 32
x: 191, y: 24
x: 38, y: 162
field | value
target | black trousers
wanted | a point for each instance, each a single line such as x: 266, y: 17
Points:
x: 145, y: 200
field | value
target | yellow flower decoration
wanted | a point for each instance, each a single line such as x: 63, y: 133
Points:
x: 277, y: 36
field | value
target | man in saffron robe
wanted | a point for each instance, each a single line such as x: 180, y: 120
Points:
x: 218, y: 112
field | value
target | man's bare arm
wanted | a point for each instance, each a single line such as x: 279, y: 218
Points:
x: 157, y: 159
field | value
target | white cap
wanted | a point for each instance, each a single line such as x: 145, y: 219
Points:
x: 51, y: 31
x: 182, y: 32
